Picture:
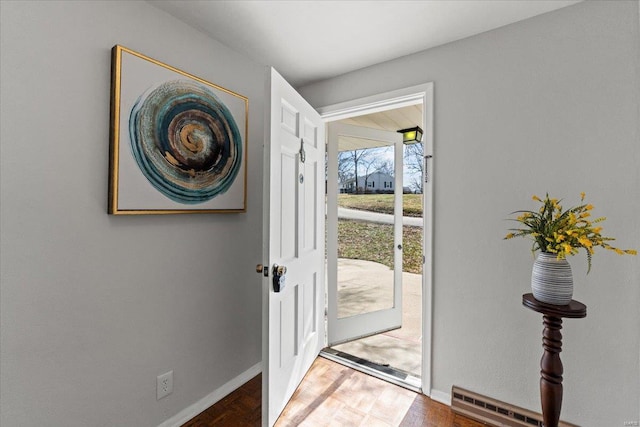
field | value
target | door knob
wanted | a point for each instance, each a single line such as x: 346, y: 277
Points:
x: 259, y: 268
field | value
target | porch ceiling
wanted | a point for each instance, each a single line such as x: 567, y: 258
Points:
x: 390, y: 120
x: 350, y: 143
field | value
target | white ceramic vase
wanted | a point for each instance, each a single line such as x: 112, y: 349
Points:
x: 551, y: 279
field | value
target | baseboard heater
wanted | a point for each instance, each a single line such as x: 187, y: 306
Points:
x: 494, y: 412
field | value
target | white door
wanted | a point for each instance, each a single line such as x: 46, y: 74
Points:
x: 293, y: 318
x: 347, y: 320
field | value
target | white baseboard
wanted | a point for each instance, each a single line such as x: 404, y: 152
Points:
x: 204, y: 403
x: 441, y: 396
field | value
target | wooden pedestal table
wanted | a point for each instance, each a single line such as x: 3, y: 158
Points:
x: 551, y: 365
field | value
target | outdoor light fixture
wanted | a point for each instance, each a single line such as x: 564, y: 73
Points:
x: 411, y: 135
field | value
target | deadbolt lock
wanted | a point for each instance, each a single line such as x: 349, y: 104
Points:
x: 279, y: 272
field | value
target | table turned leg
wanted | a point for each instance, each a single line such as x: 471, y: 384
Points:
x: 551, y: 371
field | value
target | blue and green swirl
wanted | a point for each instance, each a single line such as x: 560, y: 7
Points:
x: 185, y: 141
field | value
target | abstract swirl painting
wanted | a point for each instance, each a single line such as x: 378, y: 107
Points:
x: 185, y: 141
x: 178, y: 143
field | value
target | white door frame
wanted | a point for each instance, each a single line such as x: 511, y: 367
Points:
x: 386, y: 101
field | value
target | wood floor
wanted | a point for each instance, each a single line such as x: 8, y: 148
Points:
x: 334, y: 395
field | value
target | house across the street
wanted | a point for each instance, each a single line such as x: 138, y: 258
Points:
x: 377, y: 182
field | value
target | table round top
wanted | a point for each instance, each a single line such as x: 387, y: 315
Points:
x: 573, y: 310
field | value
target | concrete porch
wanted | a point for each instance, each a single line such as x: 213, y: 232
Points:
x: 366, y: 286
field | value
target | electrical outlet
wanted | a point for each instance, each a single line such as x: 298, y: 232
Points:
x: 164, y: 385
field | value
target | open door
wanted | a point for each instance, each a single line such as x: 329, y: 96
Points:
x: 293, y: 246
x: 348, y: 317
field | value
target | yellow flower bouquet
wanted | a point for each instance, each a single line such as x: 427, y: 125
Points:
x: 563, y: 232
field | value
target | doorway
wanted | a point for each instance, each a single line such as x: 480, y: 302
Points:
x: 376, y: 296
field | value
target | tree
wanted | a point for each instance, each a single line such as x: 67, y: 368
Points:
x: 345, y: 166
x: 386, y: 166
x: 370, y: 166
x: 355, y: 158
x: 414, y: 163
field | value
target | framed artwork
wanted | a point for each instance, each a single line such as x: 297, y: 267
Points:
x: 178, y: 142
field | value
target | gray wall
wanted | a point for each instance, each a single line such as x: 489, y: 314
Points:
x: 548, y: 104
x: 94, y: 307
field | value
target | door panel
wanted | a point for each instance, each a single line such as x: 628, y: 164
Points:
x: 288, y: 205
x: 293, y: 333
x: 310, y: 207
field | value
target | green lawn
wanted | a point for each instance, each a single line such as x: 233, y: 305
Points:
x: 382, y: 203
x: 374, y: 242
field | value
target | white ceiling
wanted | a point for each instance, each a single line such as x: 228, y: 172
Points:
x: 308, y: 41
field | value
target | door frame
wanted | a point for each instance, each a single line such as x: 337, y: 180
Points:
x: 386, y: 101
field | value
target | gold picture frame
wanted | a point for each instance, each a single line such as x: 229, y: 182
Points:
x: 178, y: 143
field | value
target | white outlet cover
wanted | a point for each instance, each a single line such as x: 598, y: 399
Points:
x: 164, y: 385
